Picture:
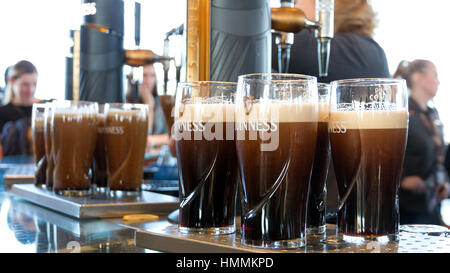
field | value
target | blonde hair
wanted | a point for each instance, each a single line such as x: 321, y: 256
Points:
x: 20, y: 68
x: 355, y: 16
x: 406, y: 70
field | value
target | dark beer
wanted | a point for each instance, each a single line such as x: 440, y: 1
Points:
x: 275, y: 177
x: 207, y: 166
x: 49, y: 151
x: 317, y: 191
x: 39, y: 151
x: 367, y: 149
x: 74, y: 136
x: 99, y: 168
x: 125, y: 136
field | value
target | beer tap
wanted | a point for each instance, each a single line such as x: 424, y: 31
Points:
x: 166, y: 64
x: 324, y: 35
x: 288, y: 20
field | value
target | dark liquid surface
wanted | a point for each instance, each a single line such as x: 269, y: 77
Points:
x: 317, y: 190
x: 125, y: 136
x: 275, y: 183
x: 208, y: 180
x: 73, y: 143
x: 368, y: 164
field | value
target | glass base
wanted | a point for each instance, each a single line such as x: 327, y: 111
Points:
x: 100, y: 189
x: 316, y: 230
x: 41, y: 186
x: 316, y: 234
x: 210, y: 230
x: 119, y: 193
x: 282, y: 244
x: 432, y: 230
x: 73, y: 193
x: 382, y: 239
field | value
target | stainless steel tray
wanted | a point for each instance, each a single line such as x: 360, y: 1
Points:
x: 79, y: 227
x: 163, y: 236
x: 18, y: 174
x: 98, y: 205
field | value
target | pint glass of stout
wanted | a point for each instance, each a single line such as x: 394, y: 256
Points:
x: 276, y: 132
x: 368, y: 130
x: 206, y: 154
x: 74, y: 133
x: 49, y: 146
x: 125, y: 136
x: 317, y: 198
x: 37, y: 131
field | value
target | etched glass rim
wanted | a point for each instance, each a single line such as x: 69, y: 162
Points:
x: 367, y: 82
x: 287, y: 78
x: 124, y: 106
x: 207, y: 83
x: 226, y: 92
x: 73, y: 106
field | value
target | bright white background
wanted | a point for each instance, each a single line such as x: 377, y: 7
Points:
x: 38, y: 31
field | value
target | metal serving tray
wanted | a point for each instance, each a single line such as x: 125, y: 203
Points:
x: 98, y: 205
x: 18, y: 174
x: 165, y: 237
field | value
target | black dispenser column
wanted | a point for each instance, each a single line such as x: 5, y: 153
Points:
x: 240, y: 38
x: 101, y: 51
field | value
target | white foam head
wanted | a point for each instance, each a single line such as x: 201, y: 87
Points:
x: 206, y: 112
x: 376, y: 119
x: 277, y: 112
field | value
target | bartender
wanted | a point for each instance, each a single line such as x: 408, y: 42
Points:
x: 354, y: 53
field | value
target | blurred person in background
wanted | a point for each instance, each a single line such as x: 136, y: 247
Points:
x: 425, y: 179
x: 15, y: 114
x: 354, y: 53
x: 146, y: 92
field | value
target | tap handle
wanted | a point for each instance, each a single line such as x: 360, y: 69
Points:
x: 325, y: 17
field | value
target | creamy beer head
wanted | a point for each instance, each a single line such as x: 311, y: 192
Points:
x: 209, y: 112
x: 277, y: 112
x: 377, y: 119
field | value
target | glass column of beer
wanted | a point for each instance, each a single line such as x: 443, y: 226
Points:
x: 125, y: 136
x: 49, y: 146
x: 317, y: 198
x: 368, y: 129
x: 276, y: 132
x: 206, y: 154
x: 74, y: 132
x: 37, y: 129
x: 99, y: 168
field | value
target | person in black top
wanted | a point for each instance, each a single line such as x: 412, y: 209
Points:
x: 424, y: 179
x: 15, y: 114
x: 354, y: 54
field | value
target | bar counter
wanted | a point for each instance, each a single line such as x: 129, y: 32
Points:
x: 27, y: 227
